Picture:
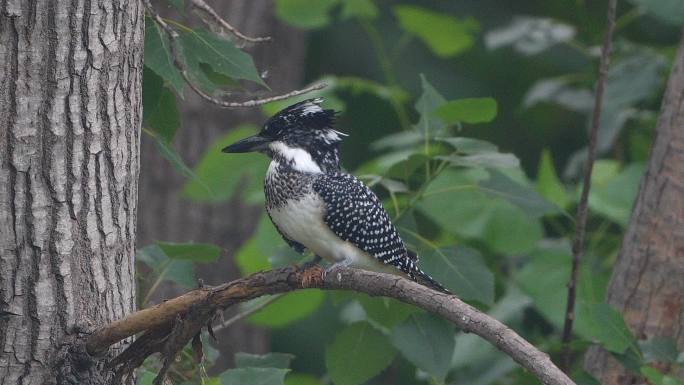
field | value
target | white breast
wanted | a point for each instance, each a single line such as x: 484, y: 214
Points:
x: 302, y: 220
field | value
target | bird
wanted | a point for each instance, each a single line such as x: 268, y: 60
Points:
x: 315, y: 205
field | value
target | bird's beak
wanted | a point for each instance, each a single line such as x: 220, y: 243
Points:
x: 249, y: 144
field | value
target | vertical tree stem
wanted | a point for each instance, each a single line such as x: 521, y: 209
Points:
x: 581, y: 216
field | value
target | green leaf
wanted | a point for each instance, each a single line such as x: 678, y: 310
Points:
x: 253, y: 255
x: 559, y: 91
x: 445, y: 35
x: 269, y: 360
x: 429, y: 101
x: 530, y: 35
x: 361, y: 9
x: 195, y: 252
x: 632, y: 79
x: 158, y: 55
x: 385, y: 311
x: 163, y: 268
x: 201, y: 46
x: 613, y: 196
x: 469, y: 110
x: 289, y: 308
x: 475, y: 363
x: 660, y: 349
x: 223, y: 173
x: 653, y: 375
x: 608, y: 328
x: 469, y: 145
x: 408, y: 169
x: 669, y: 11
x: 160, y: 112
x: 145, y: 377
x: 461, y: 270
x: 305, y: 13
x: 548, y: 184
x: 457, y: 194
x: 175, y: 159
x: 302, y: 379
x: 358, y: 353
x: 518, y: 194
x: 544, y: 280
x: 253, y: 376
x: 426, y: 341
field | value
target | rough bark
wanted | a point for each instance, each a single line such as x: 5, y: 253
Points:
x: 165, y: 215
x: 70, y: 102
x: 648, y: 279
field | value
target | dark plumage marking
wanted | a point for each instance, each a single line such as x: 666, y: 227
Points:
x: 355, y: 214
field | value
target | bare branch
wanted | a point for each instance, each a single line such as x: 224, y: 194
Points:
x: 173, y: 36
x: 205, y: 10
x: 581, y: 216
x: 205, y: 301
x: 252, y: 102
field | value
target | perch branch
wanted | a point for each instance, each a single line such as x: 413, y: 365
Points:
x: 206, y: 301
x: 180, y: 66
x: 581, y: 216
x: 203, y: 8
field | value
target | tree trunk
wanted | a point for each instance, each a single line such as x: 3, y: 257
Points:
x: 165, y: 215
x: 70, y: 102
x: 648, y: 279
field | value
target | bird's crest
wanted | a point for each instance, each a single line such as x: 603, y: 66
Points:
x: 305, y: 115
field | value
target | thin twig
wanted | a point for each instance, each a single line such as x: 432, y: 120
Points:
x: 173, y: 36
x: 227, y: 323
x: 252, y: 102
x: 203, y: 7
x: 580, y: 229
x: 158, y: 320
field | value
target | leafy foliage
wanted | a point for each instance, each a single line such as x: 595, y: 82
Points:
x: 491, y: 224
x: 426, y: 341
x: 445, y: 35
x: 359, y: 353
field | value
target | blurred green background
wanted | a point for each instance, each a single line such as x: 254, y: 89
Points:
x: 469, y: 119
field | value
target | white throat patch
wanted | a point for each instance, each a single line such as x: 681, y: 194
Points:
x: 298, y: 158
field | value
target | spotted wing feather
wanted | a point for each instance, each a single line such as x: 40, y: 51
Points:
x: 354, y: 213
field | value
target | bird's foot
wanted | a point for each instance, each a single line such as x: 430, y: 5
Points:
x: 309, y: 275
x: 343, y: 263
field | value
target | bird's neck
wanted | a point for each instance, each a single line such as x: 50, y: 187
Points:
x: 316, y: 161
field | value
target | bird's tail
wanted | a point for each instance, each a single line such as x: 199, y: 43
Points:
x: 422, y: 277
x: 425, y: 279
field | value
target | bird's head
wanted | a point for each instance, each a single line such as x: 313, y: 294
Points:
x: 300, y: 136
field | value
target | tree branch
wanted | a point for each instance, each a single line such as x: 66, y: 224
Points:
x: 180, y: 66
x: 581, y: 216
x: 159, y: 320
x: 204, y: 9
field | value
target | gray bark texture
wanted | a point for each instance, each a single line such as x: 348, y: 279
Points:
x: 166, y: 215
x: 647, y: 285
x: 70, y: 102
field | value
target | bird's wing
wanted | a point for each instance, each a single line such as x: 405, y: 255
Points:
x: 354, y: 213
x: 298, y: 247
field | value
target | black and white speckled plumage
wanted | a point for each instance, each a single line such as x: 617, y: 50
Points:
x: 316, y: 206
x: 355, y: 214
